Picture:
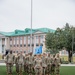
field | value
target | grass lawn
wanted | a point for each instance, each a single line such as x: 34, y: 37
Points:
x: 64, y: 70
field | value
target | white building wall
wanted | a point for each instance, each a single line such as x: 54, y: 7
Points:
x: 0, y: 45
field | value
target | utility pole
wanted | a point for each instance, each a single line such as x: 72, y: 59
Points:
x: 72, y: 42
x: 31, y: 30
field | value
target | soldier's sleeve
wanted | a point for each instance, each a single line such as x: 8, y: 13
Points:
x: 35, y: 62
x: 60, y: 60
x: 13, y: 58
x: 6, y: 58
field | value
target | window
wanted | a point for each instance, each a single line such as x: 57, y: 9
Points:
x: 10, y: 45
x: 2, y: 48
x: 28, y: 39
x: 14, y: 45
x: 13, y: 51
x: 16, y: 51
x: 17, y: 45
x: 37, y: 44
x: 20, y: 40
x: 24, y: 51
x: 24, y: 39
x: 37, y: 39
x: 32, y: 40
x: 24, y: 45
x: 17, y: 40
x: 41, y: 44
x: 32, y: 44
x: 28, y: 44
x: 10, y: 42
x: 41, y: 38
x: 20, y: 45
x: 10, y: 39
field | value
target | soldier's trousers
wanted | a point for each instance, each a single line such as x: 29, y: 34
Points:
x: 57, y: 69
x: 53, y: 68
x: 9, y: 68
x: 48, y: 69
x: 44, y: 70
x: 17, y: 68
x: 30, y: 68
x: 20, y: 68
x: 38, y: 71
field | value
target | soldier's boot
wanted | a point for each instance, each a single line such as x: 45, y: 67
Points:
x: 17, y: 73
x: 9, y: 74
x: 57, y: 74
x: 21, y: 73
x: 30, y: 74
x: 44, y: 71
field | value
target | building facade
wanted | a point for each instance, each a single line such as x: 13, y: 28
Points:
x: 20, y: 40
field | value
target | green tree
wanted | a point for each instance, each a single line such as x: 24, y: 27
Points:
x: 61, y: 38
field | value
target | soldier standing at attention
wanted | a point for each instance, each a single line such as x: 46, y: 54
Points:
x: 20, y: 63
x: 6, y: 60
x: 30, y: 67
x: 16, y: 62
x: 57, y: 64
x: 49, y: 64
x: 38, y: 65
x: 44, y: 63
x: 53, y: 64
x: 26, y: 63
x: 9, y: 61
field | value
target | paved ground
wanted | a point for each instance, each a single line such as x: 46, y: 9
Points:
x: 2, y: 63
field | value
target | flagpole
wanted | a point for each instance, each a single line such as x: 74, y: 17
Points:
x: 31, y: 29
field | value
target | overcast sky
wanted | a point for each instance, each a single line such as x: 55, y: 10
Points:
x: 16, y: 14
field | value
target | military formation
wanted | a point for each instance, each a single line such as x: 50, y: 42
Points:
x: 40, y: 64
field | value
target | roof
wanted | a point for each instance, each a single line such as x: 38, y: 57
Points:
x: 26, y: 31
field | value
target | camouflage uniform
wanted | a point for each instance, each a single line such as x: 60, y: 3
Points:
x: 38, y: 65
x: 26, y: 63
x: 9, y: 61
x: 53, y: 64
x: 20, y: 63
x: 16, y: 63
x: 49, y: 64
x: 57, y: 64
x: 30, y: 66
x: 44, y: 63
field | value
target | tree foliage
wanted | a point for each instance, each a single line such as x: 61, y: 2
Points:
x: 64, y: 37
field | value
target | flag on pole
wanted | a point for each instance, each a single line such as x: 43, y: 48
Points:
x: 38, y: 50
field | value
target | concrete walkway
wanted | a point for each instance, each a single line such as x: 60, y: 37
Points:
x: 3, y: 64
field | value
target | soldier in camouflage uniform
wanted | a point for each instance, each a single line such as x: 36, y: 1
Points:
x: 38, y: 65
x: 16, y: 62
x: 53, y: 65
x: 20, y: 63
x: 44, y: 63
x: 57, y: 64
x: 49, y: 64
x: 30, y: 66
x: 9, y: 61
x: 6, y: 60
x: 26, y: 63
